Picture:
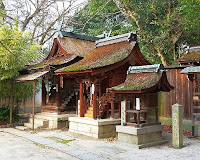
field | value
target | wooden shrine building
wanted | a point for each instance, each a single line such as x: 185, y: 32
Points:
x: 192, y: 59
x: 139, y: 105
x: 103, y: 68
x: 58, y: 93
x: 140, y: 92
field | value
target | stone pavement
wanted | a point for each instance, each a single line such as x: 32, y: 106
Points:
x: 42, y: 145
x: 74, y: 152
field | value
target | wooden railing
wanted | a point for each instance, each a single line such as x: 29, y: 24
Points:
x: 102, y: 102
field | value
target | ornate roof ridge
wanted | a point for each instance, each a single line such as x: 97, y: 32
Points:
x: 145, y: 68
x: 79, y: 36
x: 132, y: 36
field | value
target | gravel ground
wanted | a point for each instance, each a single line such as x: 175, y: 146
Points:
x: 44, y: 145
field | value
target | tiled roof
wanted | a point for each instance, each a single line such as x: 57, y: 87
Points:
x: 56, y: 60
x: 138, y: 81
x: 79, y: 36
x: 76, y: 46
x: 192, y: 69
x: 142, y: 79
x: 116, y: 39
x: 102, y: 56
x: 190, y: 57
x: 145, y: 68
x: 31, y: 76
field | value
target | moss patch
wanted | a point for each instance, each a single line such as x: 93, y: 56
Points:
x: 191, y: 56
x: 40, y: 66
x: 60, y: 140
x: 42, y: 145
x: 72, y: 68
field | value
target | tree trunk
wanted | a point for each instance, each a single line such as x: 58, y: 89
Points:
x: 162, y: 57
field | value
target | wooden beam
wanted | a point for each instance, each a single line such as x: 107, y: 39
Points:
x: 33, y: 110
x: 11, y: 101
x: 81, y: 100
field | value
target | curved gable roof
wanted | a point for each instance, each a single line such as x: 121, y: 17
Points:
x: 109, y: 53
x: 102, y: 56
x: 144, y: 80
x: 76, y: 46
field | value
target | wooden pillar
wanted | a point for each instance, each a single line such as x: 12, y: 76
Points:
x: 58, y: 93
x: 43, y: 93
x: 47, y: 98
x: 157, y: 115
x: 100, y: 90
x: 95, y: 101
x: 112, y: 109
x: 33, y: 110
x: 126, y: 120
x: 81, y: 100
x: 11, y: 102
x: 119, y: 110
x: 192, y: 88
x: 76, y: 93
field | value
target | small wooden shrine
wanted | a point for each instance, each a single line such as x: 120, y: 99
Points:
x: 140, y: 92
x: 192, y: 58
x: 139, y: 104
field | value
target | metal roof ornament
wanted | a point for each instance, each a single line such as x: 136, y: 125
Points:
x: 104, y: 34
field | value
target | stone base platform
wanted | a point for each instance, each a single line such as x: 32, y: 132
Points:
x: 100, y: 128
x: 50, y: 120
x: 142, y: 137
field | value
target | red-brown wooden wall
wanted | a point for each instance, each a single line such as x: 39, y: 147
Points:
x: 181, y: 94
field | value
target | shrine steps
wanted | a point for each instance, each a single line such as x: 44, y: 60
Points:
x: 49, y: 120
x: 49, y: 108
x: 89, y: 112
x: 38, y: 123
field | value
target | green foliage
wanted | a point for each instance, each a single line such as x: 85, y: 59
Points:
x: 16, y: 51
x: 162, y: 25
x: 5, y: 114
x: 21, y: 90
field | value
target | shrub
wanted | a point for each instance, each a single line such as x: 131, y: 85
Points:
x: 5, y: 113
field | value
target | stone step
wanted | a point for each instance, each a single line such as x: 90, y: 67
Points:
x: 29, y: 125
x: 45, y: 116
x: 90, y: 108
x: 39, y: 121
x: 21, y: 128
x: 49, y: 110
x: 41, y: 116
x: 50, y: 106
